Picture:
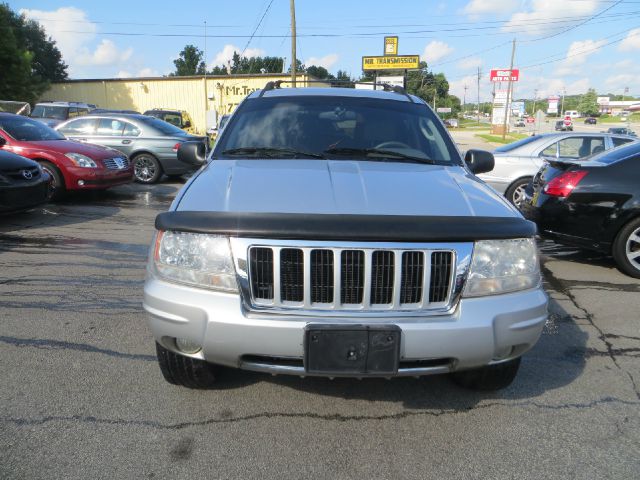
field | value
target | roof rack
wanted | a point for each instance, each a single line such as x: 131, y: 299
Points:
x: 385, y: 86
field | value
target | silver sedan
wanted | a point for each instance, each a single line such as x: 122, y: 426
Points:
x: 517, y: 163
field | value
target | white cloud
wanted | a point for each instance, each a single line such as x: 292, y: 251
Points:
x: 435, y: 50
x: 470, y: 63
x: 78, y: 48
x: 106, y: 53
x: 226, y: 54
x: 456, y: 87
x: 327, y: 61
x: 631, y: 41
x: 479, y: 7
x: 577, y: 54
x: 544, y: 15
x: 144, y: 72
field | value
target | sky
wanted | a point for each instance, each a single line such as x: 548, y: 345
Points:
x: 562, y: 46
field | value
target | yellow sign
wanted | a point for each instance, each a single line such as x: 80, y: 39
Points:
x: 400, y: 62
x: 391, y: 45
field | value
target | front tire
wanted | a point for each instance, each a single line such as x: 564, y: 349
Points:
x: 57, y: 187
x: 515, y: 193
x: 626, y: 249
x: 491, y: 377
x: 185, y: 371
x: 146, y: 168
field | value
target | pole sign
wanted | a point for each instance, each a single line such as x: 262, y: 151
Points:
x: 443, y: 109
x: 391, y: 45
x: 531, y: 120
x: 398, y: 62
x: 553, y: 104
x: 502, y: 75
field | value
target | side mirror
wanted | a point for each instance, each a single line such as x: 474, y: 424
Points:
x: 192, y: 153
x: 479, y: 161
x: 186, y: 124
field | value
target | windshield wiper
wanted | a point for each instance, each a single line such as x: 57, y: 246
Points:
x: 270, y: 152
x: 377, y: 153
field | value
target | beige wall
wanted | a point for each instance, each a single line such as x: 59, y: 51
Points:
x: 183, y: 93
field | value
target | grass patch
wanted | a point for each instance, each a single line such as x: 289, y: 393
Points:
x: 510, y: 137
x: 633, y: 118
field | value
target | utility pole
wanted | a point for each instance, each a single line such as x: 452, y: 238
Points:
x: 535, y: 97
x: 507, y: 103
x: 478, y: 94
x: 293, y: 43
x: 464, y: 99
x: 434, y: 98
x: 564, y: 92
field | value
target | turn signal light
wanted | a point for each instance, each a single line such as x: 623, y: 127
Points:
x: 563, y: 185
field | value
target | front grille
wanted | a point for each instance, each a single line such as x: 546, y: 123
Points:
x: 24, y: 174
x: 116, y: 163
x: 350, y: 279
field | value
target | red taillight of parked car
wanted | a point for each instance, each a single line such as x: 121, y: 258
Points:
x: 563, y: 185
x: 176, y: 147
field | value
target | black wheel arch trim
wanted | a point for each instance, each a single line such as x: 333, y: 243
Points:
x: 373, y: 228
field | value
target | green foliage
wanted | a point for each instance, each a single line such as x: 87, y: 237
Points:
x: 589, y: 103
x: 29, y: 60
x: 189, y: 62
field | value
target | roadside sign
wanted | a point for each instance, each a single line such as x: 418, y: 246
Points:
x: 503, y: 75
x: 531, y: 120
x: 397, y: 80
x: 443, y: 109
x: 391, y: 45
x: 398, y: 62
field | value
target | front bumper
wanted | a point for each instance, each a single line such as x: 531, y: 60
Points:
x: 479, y: 332
x: 18, y: 197
x: 96, y: 178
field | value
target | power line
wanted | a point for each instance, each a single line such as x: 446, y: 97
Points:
x: 256, y: 29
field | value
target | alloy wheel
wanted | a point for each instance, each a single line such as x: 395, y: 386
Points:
x: 632, y: 248
x: 144, y: 169
x: 518, y: 195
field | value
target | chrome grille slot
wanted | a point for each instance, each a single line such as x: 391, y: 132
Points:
x: 291, y: 275
x: 412, y: 277
x: 441, y: 265
x: 352, y: 276
x: 382, y: 276
x: 321, y: 276
x: 262, y: 273
x: 116, y: 163
x: 305, y: 277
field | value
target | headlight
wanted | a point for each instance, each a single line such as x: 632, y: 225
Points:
x: 501, y: 266
x: 81, y: 160
x: 195, y: 259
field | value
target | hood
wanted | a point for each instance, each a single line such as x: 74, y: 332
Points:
x: 96, y: 152
x: 341, y: 187
x: 10, y: 161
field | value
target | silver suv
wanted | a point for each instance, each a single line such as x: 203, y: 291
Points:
x: 338, y: 232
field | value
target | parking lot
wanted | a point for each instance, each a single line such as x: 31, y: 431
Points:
x: 81, y: 395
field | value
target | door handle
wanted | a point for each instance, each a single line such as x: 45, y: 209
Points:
x: 126, y: 142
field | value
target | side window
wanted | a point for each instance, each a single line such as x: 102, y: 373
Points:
x: 550, y: 151
x: 110, y: 127
x: 580, y: 147
x: 173, y: 119
x: 82, y: 126
x: 83, y: 111
x: 130, y: 130
x: 617, y: 141
x: 73, y: 112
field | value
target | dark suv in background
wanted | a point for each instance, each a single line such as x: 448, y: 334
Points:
x: 178, y: 118
x: 54, y: 113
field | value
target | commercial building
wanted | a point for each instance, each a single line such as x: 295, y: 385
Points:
x: 205, y: 98
x: 615, y: 107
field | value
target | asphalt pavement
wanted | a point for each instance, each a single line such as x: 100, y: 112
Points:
x: 81, y: 395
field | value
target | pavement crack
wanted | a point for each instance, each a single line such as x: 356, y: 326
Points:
x: 48, y: 344
x: 224, y: 418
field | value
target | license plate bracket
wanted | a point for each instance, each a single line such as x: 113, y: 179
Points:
x: 351, y: 349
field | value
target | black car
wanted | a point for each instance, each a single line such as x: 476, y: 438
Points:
x: 590, y: 121
x: 622, y: 131
x: 593, y: 204
x: 23, y: 184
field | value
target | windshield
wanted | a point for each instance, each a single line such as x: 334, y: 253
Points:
x: 162, y: 126
x: 336, y: 127
x: 27, y: 130
x: 514, y: 145
x: 49, y: 111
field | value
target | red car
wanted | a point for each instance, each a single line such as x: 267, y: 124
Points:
x: 71, y: 165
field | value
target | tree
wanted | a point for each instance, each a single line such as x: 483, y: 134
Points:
x: 589, y: 103
x: 244, y: 65
x: 29, y: 60
x: 344, y: 79
x: 189, y: 62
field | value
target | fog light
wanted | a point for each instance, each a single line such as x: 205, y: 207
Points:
x: 187, y: 346
x: 81, y: 182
